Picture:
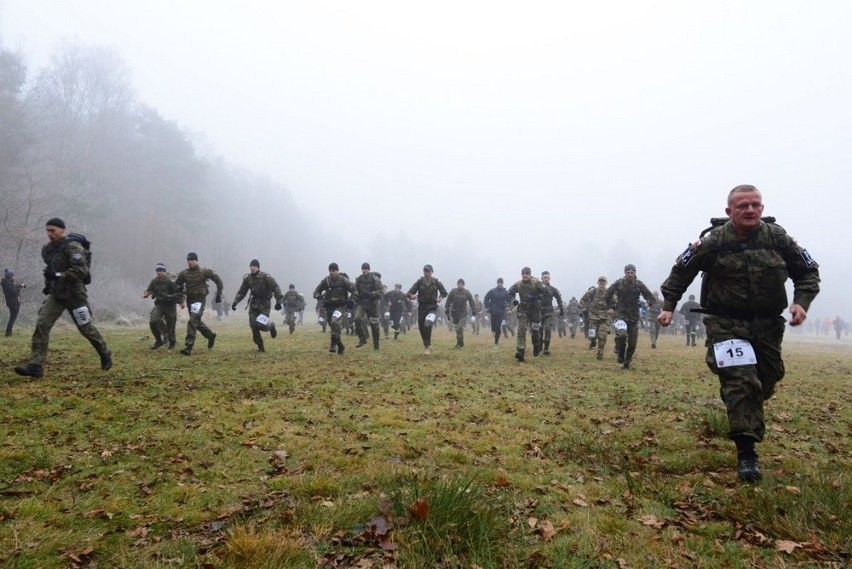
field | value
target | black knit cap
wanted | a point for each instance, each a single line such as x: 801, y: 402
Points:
x: 191, y: 256
x: 333, y: 267
x: 56, y: 222
x: 365, y: 266
x: 254, y: 263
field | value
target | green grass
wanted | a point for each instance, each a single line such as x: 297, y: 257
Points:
x: 301, y: 458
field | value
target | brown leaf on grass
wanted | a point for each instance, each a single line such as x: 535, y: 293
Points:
x: 546, y: 531
x: 786, y: 546
x: 248, y: 442
x: 419, y: 509
x: 793, y: 489
x: 580, y: 500
x: 652, y: 521
x: 532, y: 522
x: 141, y: 531
x: 501, y: 482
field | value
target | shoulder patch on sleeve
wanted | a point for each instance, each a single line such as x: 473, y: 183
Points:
x: 806, y: 257
x: 76, y: 257
x: 684, y: 258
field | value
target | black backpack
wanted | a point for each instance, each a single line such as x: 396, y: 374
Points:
x: 81, y: 239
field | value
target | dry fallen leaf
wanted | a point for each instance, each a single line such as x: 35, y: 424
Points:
x: 786, y: 546
x: 547, y: 531
x: 419, y: 509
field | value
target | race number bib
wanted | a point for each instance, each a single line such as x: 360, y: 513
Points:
x: 335, y: 316
x: 82, y: 316
x: 473, y: 319
x: 262, y: 319
x: 734, y: 353
x: 592, y: 333
x: 430, y: 318
x: 195, y: 307
x: 620, y: 324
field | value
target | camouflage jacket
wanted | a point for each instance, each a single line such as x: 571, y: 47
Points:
x: 194, y: 281
x: 369, y: 288
x: 429, y: 292
x: 627, y: 302
x: 164, y: 290
x: 744, y: 277
x: 547, y: 297
x: 397, y: 301
x: 530, y: 293
x: 293, y: 301
x: 66, y: 260
x: 262, y: 286
x: 595, y: 302
x: 335, y: 291
x: 573, y: 308
x: 458, y: 300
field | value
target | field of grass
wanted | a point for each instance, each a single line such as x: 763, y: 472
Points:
x: 301, y: 458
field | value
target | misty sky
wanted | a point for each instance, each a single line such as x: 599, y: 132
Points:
x: 576, y: 136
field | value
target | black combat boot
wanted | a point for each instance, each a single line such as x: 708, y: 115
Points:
x: 211, y: 340
x: 187, y: 351
x: 157, y: 343
x: 748, y: 464
x: 519, y: 355
x: 106, y: 360
x: 30, y: 370
x: 546, y: 350
x: 273, y: 331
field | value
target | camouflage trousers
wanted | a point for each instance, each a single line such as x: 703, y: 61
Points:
x: 627, y: 344
x: 425, y: 331
x: 163, y: 320
x: 547, y: 324
x: 573, y: 324
x: 255, y: 310
x: 367, y: 321
x: 529, y: 318
x: 745, y: 388
x: 50, y: 311
x: 195, y: 324
x: 459, y: 320
x: 336, y: 325
x: 602, y: 328
x: 653, y: 330
x: 290, y: 318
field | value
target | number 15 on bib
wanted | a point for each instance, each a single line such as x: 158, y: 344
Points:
x: 734, y: 353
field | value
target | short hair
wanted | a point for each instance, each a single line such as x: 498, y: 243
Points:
x: 545, y: 273
x: 742, y: 189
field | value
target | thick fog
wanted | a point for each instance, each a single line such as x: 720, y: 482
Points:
x: 476, y: 136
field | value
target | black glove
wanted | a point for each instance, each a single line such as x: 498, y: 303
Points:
x: 45, y: 291
x: 234, y: 306
x: 218, y: 298
x: 515, y: 302
x: 50, y: 275
x: 277, y: 306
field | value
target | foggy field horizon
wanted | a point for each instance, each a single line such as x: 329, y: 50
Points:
x: 479, y: 138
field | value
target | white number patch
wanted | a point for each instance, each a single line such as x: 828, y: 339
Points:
x: 734, y: 353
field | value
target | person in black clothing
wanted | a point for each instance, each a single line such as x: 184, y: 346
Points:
x: 12, y: 292
x: 690, y: 315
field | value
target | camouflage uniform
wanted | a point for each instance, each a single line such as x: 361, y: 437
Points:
x: 429, y: 293
x: 457, y: 302
x: 66, y: 269
x: 293, y: 303
x: 479, y: 311
x: 689, y: 311
x: 627, y: 309
x: 336, y: 293
x: 193, y: 281
x: 262, y: 287
x: 572, y: 312
x: 654, y: 326
x: 369, y: 288
x: 598, y: 319
x: 167, y: 296
x: 398, y: 306
x: 529, y: 313
x: 743, y: 294
x: 548, y: 313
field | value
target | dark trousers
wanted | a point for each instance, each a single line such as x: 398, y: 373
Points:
x: 13, y: 315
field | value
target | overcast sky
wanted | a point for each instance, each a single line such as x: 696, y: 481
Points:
x: 526, y: 133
